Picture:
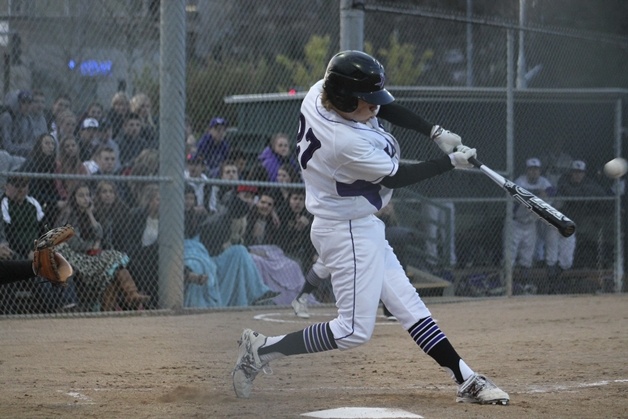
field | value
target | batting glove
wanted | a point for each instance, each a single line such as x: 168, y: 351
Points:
x: 460, y: 159
x: 444, y: 139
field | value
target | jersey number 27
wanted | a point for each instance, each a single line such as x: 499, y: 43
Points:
x: 308, y: 138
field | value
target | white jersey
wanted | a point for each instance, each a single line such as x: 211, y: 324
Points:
x: 343, y: 161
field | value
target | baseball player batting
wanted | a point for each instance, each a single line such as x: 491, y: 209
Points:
x: 350, y: 166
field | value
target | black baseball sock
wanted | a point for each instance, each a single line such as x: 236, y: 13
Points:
x: 311, y: 283
x: 315, y: 338
x: 433, y: 342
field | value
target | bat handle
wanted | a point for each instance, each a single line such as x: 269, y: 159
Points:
x: 474, y: 161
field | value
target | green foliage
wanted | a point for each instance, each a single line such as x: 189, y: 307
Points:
x: 305, y: 73
x: 400, y: 61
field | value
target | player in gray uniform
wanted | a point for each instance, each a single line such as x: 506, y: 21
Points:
x: 350, y: 166
x: 525, y: 224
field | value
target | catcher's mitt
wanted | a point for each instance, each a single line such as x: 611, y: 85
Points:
x: 49, y: 264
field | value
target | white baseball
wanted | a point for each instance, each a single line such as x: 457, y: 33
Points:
x: 616, y: 168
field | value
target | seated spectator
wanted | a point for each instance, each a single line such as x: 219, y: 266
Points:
x: 16, y: 128
x: 213, y: 146
x: 278, y: 152
x: 131, y: 141
x: 66, y: 126
x: 22, y: 221
x: 146, y: 164
x: 285, y: 175
x: 227, y: 280
x: 194, y: 177
x: 87, y: 137
x: 37, y: 114
x: 118, y: 113
x: 95, y: 110
x: 8, y: 163
x: 61, y: 104
x: 103, y: 161
x: 22, y: 216
x: 68, y: 163
x: 220, y: 195
x: 293, y: 236
x: 281, y: 273
x: 97, y: 270
x: 43, y: 159
x: 140, y: 234
x: 110, y: 211
x: 142, y: 105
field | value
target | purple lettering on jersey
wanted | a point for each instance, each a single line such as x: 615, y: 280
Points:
x: 368, y: 190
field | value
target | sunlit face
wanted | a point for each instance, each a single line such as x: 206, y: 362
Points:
x: 107, y: 194
x: 265, y: 205
x: 363, y: 113
x: 144, y: 108
x: 189, y: 201
x: 230, y: 172
x: 283, y: 176
x: 281, y: 146
x: 48, y: 145
x: 297, y: 202
x: 83, y: 198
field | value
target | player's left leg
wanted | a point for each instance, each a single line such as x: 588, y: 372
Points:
x: 404, y: 302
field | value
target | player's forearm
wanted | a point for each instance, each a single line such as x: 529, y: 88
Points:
x: 411, y: 173
x: 403, y: 117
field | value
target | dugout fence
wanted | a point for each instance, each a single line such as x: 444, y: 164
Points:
x: 514, y: 90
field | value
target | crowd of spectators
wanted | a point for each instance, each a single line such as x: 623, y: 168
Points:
x: 244, y: 244
x: 236, y: 251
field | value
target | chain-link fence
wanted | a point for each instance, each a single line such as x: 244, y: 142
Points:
x: 141, y: 123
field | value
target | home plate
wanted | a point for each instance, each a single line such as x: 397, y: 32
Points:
x: 361, y: 412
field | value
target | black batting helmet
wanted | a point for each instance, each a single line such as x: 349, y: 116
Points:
x: 353, y: 75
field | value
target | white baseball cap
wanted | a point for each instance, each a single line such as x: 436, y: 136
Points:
x: 89, y: 123
x: 578, y: 165
x: 533, y: 162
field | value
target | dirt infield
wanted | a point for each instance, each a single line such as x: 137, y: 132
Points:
x: 558, y: 357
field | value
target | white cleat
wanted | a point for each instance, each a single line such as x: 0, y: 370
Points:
x: 300, y: 307
x: 248, y: 364
x: 479, y: 389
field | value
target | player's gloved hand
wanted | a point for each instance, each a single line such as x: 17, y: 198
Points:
x: 460, y: 158
x: 444, y: 139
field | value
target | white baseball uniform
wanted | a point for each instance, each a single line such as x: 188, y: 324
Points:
x: 343, y: 162
x: 524, y: 235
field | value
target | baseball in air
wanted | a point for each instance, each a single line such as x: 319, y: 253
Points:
x: 616, y: 168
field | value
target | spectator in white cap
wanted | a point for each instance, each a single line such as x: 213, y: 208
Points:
x: 573, y: 184
x: 525, y: 226
x: 88, y: 135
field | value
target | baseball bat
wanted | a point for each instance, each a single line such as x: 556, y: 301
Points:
x: 542, y: 209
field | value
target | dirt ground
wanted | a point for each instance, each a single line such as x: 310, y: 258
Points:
x: 557, y: 356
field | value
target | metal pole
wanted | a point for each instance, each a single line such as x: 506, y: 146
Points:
x: 521, y: 61
x: 510, y: 71
x: 351, y: 25
x: 620, y: 241
x: 171, y: 152
x: 469, y: 44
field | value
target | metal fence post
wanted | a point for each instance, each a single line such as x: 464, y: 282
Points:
x: 351, y: 25
x: 171, y: 152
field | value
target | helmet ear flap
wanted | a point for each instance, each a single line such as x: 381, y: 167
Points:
x: 344, y: 103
